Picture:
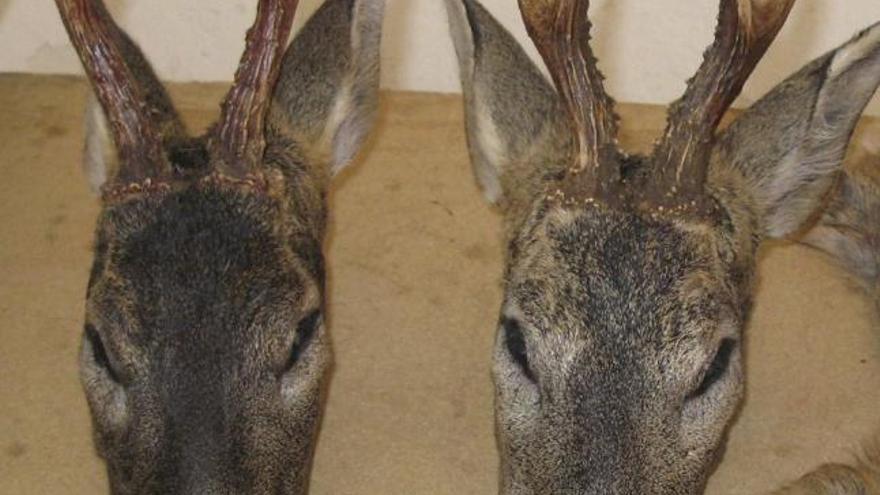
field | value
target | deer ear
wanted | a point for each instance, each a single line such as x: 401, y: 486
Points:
x: 512, y: 113
x: 849, y: 227
x: 790, y: 145
x: 99, y: 156
x: 328, y: 89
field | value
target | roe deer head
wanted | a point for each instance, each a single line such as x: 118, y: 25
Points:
x: 205, y: 350
x: 628, y: 278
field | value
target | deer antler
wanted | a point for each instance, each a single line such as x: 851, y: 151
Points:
x: 239, y: 140
x: 97, y: 41
x: 746, y: 28
x: 561, y: 31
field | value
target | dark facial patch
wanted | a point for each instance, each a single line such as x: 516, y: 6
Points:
x: 206, y: 255
x: 305, y: 331
x: 189, y: 155
x: 717, y: 368
x: 99, y: 352
x: 211, y: 292
x: 514, y: 342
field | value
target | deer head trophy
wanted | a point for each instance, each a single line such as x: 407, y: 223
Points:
x: 628, y: 279
x: 205, y: 350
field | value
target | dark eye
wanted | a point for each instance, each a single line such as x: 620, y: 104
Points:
x: 515, y: 343
x: 305, y: 331
x: 99, y: 353
x: 717, y: 369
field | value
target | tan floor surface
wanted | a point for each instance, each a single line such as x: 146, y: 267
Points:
x: 414, y: 260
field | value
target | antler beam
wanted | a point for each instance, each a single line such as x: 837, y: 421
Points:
x: 561, y: 31
x: 746, y: 28
x: 97, y: 41
x: 239, y: 139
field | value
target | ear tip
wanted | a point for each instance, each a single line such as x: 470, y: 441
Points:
x: 864, y: 45
x: 463, y: 29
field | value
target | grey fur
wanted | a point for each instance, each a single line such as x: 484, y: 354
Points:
x: 790, y: 144
x: 613, y: 319
x: 849, y: 227
x: 503, y: 137
x: 335, y: 121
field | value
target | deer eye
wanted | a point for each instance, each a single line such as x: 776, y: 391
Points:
x: 717, y: 368
x: 305, y: 332
x: 515, y: 343
x: 99, y: 352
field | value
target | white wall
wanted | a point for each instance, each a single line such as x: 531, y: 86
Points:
x: 647, y: 48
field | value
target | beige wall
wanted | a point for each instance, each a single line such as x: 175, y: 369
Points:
x: 647, y: 48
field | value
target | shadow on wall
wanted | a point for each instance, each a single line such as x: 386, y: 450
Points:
x: 4, y: 4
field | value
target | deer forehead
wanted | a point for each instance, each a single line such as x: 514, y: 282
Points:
x: 203, y: 257
x: 591, y: 273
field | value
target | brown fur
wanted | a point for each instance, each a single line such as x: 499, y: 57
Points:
x: 205, y: 354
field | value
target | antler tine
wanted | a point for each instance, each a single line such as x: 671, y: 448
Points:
x: 746, y: 28
x: 561, y: 31
x: 97, y: 41
x: 239, y: 138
